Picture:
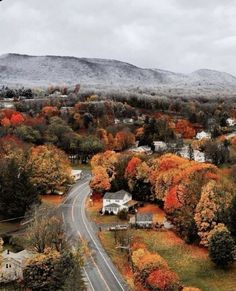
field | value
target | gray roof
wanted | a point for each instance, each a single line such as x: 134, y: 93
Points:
x: 20, y: 256
x: 116, y: 195
x: 144, y: 217
x: 114, y: 205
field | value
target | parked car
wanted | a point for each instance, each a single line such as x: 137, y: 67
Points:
x: 118, y: 227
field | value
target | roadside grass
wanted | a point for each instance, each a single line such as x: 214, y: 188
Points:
x: 118, y: 257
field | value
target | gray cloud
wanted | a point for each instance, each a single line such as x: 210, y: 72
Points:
x: 179, y: 35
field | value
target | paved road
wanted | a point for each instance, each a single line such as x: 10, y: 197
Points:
x: 99, y: 271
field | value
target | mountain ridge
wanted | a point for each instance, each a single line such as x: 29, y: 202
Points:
x: 23, y: 69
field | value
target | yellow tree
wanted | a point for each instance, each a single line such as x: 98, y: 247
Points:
x: 51, y: 168
x: 215, y: 198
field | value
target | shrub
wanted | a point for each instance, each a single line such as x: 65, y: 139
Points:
x: 221, y: 248
x: 145, y: 262
x: 163, y: 280
x: 123, y: 214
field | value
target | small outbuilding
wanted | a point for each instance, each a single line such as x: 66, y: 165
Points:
x: 144, y: 220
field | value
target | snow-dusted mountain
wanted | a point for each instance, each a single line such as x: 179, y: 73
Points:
x: 27, y: 70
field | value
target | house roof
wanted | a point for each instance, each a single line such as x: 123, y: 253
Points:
x: 114, y: 205
x: 144, y: 217
x: 76, y: 172
x: 131, y: 203
x: 20, y: 256
x: 116, y: 195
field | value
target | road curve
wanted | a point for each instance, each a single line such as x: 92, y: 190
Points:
x: 100, y: 272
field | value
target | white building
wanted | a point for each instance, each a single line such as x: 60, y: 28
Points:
x: 201, y: 135
x: 141, y: 150
x: 160, y: 146
x: 13, y: 265
x: 117, y: 121
x: 230, y: 122
x: 196, y: 154
x: 76, y: 174
x: 7, y: 104
x: 114, y: 202
x: 128, y: 120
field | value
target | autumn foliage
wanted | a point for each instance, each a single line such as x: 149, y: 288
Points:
x: 163, y: 280
x: 153, y: 272
x: 185, y: 128
x: 9, y: 117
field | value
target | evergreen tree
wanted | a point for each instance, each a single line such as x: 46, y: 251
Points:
x: 221, y: 248
x: 17, y: 193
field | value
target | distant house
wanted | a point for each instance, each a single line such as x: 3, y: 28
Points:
x: 13, y: 265
x: 231, y: 122
x: 196, y: 154
x: 76, y: 174
x: 160, y: 146
x: 7, y: 104
x: 128, y: 120
x: 141, y: 150
x: 203, y: 134
x: 65, y: 109
x: 117, y: 121
x: 211, y: 122
x: 116, y: 201
x: 144, y: 220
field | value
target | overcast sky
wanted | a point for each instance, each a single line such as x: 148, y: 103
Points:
x: 178, y: 35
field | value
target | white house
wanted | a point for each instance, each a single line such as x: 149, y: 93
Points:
x: 230, y: 122
x: 114, y: 202
x: 13, y: 265
x: 160, y: 146
x: 196, y: 154
x: 128, y: 120
x: 76, y: 174
x: 7, y: 104
x: 201, y: 135
x: 199, y: 156
x: 117, y: 121
x: 142, y: 150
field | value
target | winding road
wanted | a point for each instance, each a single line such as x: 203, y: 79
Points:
x: 100, y: 272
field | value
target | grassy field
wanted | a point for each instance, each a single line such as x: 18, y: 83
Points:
x: 190, y: 262
x: 8, y: 226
